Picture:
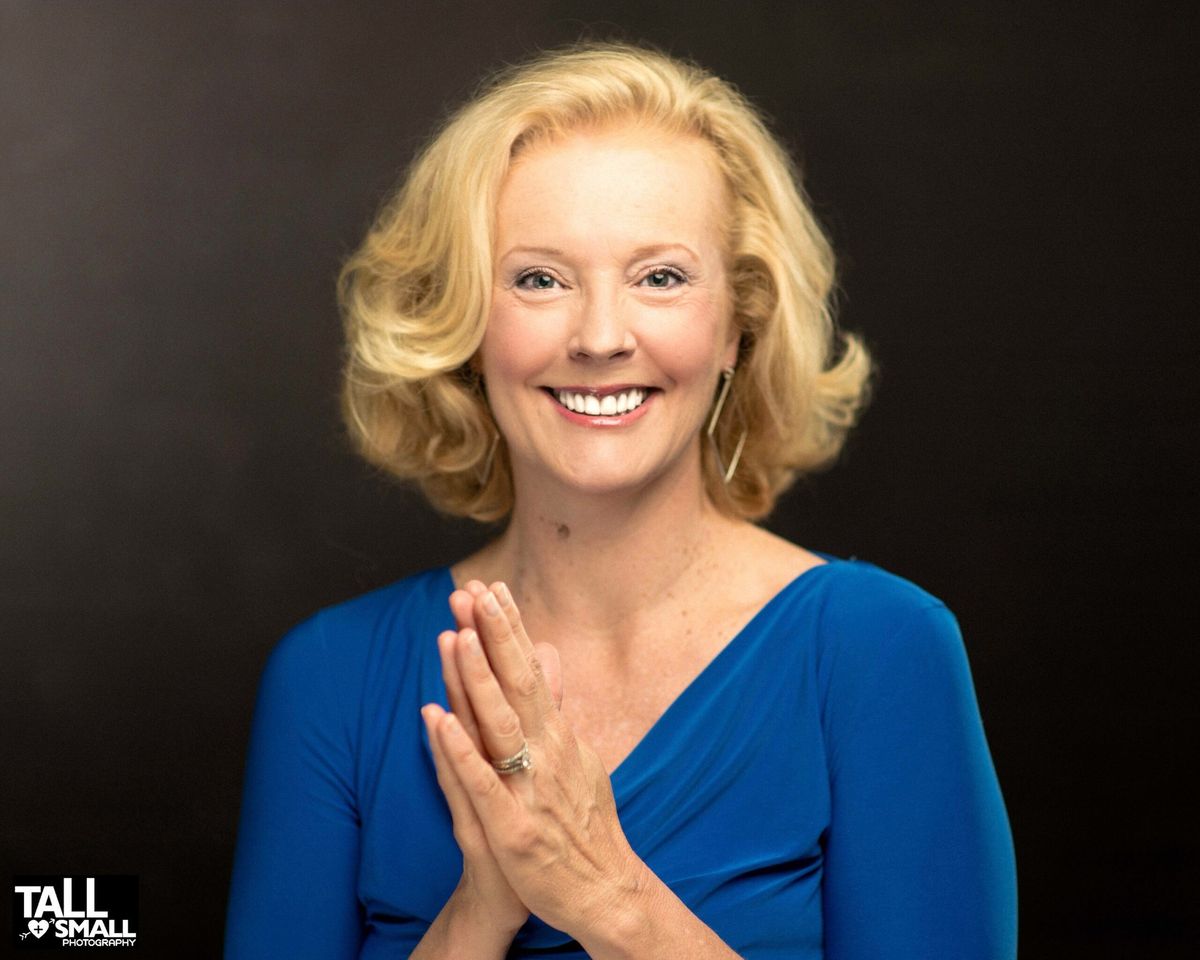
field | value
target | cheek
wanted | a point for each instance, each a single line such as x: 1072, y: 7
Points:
x: 510, y: 349
x: 692, y: 344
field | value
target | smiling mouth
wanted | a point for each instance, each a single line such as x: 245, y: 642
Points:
x: 592, y: 404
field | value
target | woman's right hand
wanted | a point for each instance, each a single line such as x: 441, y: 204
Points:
x: 483, y: 895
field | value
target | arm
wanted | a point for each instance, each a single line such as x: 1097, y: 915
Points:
x: 296, y: 863
x: 295, y: 867
x: 919, y: 859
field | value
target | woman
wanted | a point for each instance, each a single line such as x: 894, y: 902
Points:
x: 598, y: 306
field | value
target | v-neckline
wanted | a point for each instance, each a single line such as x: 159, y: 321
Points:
x: 724, y: 654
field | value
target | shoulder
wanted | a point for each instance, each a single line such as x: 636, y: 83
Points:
x: 858, y: 595
x: 866, y: 616
x: 400, y: 603
x: 344, y: 636
x: 880, y: 636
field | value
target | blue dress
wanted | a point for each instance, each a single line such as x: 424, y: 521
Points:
x: 823, y: 789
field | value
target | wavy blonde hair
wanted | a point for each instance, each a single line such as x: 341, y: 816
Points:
x: 415, y: 296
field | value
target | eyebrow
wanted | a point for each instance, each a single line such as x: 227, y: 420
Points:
x: 541, y: 251
x: 644, y: 251
x: 654, y: 248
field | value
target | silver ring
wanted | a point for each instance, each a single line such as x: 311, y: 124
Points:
x: 519, y: 761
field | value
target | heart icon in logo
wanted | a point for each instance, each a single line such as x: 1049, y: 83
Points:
x: 38, y: 927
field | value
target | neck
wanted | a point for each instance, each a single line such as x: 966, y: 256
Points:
x: 599, y: 563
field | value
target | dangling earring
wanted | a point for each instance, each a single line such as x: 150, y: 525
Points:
x: 726, y: 472
x: 485, y: 474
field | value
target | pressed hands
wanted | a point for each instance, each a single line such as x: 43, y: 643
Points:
x: 545, y: 840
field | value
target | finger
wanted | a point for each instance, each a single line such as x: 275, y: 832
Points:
x: 447, y: 779
x: 499, y: 726
x: 547, y: 655
x: 493, y: 804
x: 456, y: 693
x: 512, y: 614
x: 541, y: 660
x: 516, y: 666
x: 461, y: 811
x: 462, y: 604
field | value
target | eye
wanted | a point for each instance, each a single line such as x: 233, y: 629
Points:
x: 664, y: 278
x: 536, y: 280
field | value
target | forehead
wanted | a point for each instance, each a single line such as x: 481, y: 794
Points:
x: 621, y: 185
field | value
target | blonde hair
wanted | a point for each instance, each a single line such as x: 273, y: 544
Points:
x: 415, y: 296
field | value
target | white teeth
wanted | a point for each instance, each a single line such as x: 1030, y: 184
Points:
x: 614, y: 404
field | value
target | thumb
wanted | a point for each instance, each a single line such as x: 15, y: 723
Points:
x: 547, y: 656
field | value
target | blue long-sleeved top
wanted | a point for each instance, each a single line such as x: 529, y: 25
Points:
x: 822, y: 789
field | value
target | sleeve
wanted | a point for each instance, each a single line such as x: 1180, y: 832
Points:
x: 292, y: 891
x: 919, y: 859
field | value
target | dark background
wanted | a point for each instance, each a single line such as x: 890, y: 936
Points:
x: 1007, y: 187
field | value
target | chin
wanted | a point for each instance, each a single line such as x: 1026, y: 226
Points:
x: 603, y: 483
x: 598, y: 475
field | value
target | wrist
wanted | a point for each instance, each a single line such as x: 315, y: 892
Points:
x: 651, y: 921
x: 462, y: 929
x: 469, y: 911
x: 623, y: 917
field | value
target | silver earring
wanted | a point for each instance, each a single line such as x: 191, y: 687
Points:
x: 485, y: 474
x: 726, y: 472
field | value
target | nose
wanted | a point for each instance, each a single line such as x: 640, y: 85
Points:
x: 601, y: 331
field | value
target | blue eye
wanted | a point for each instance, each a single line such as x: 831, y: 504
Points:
x: 536, y: 280
x: 663, y: 278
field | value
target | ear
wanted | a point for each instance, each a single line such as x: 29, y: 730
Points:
x: 733, y: 345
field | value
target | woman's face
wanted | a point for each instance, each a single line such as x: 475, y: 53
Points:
x: 610, y: 319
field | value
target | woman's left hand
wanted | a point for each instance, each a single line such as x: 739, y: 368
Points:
x: 553, y: 828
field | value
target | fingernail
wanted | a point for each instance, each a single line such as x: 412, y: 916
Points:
x: 505, y: 596
x: 490, y: 605
x: 472, y: 641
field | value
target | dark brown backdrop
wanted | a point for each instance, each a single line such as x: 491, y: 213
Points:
x: 1006, y: 186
